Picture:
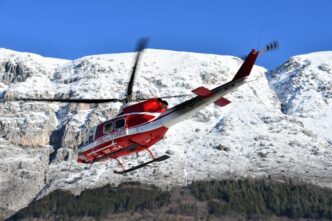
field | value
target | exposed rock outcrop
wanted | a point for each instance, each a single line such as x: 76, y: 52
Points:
x: 264, y: 131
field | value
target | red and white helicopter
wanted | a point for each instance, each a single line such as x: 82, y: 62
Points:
x: 140, y: 125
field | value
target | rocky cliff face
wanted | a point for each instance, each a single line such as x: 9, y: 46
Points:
x: 274, y: 126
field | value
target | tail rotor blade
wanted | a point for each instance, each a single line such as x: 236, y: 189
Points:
x: 270, y: 47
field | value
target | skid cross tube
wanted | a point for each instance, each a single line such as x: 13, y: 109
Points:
x: 151, y: 154
x: 119, y: 162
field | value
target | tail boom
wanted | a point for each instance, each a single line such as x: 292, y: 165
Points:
x: 206, y: 96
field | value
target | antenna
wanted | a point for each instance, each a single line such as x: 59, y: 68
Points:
x: 260, y: 37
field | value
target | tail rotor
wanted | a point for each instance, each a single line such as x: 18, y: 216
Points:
x: 269, y: 47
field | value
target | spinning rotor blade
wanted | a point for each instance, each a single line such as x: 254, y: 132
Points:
x: 163, y: 97
x: 91, y: 101
x: 180, y: 95
x: 64, y: 100
x: 140, y: 47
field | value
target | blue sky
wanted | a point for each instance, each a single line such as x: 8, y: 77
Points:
x: 75, y: 28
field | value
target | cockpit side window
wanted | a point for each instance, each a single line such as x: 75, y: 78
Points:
x: 108, y: 127
x: 120, y: 123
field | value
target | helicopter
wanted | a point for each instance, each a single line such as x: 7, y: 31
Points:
x: 142, y: 122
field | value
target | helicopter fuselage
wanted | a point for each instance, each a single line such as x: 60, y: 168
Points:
x: 141, y: 125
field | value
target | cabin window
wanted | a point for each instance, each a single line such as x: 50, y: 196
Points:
x: 120, y: 124
x: 108, y: 127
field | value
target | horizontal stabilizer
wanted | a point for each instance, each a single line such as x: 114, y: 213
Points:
x: 222, y: 102
x: 202, y: 92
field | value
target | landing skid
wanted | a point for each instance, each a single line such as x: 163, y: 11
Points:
x: 158, y: 159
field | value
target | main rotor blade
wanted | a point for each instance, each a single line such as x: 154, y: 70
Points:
x: 92, y: 101
x: 140, y: 47
x: 163, y: 97
x: 64, y: 100
x: 180, y: 95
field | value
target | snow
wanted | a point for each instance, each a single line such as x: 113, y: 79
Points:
x: 305, y: 90
x: 30, y: 58
x: 278, y: 124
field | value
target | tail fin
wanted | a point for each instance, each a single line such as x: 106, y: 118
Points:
x: 249, y: 62
x: 247, y: 65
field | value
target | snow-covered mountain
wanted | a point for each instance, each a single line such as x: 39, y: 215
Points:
x: 279, y: 124
x: 304, y: 86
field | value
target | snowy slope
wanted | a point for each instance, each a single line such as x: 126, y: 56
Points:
x: 249, y: 137
x: 304, y: 87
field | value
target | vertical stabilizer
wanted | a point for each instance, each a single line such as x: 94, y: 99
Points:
x: 247, y: 65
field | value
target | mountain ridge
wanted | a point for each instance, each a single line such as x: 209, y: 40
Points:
x: 250, y: 137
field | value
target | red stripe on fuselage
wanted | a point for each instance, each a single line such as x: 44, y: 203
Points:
x: 119, y: 146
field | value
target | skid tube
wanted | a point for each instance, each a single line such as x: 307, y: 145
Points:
x: 154, y: 159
